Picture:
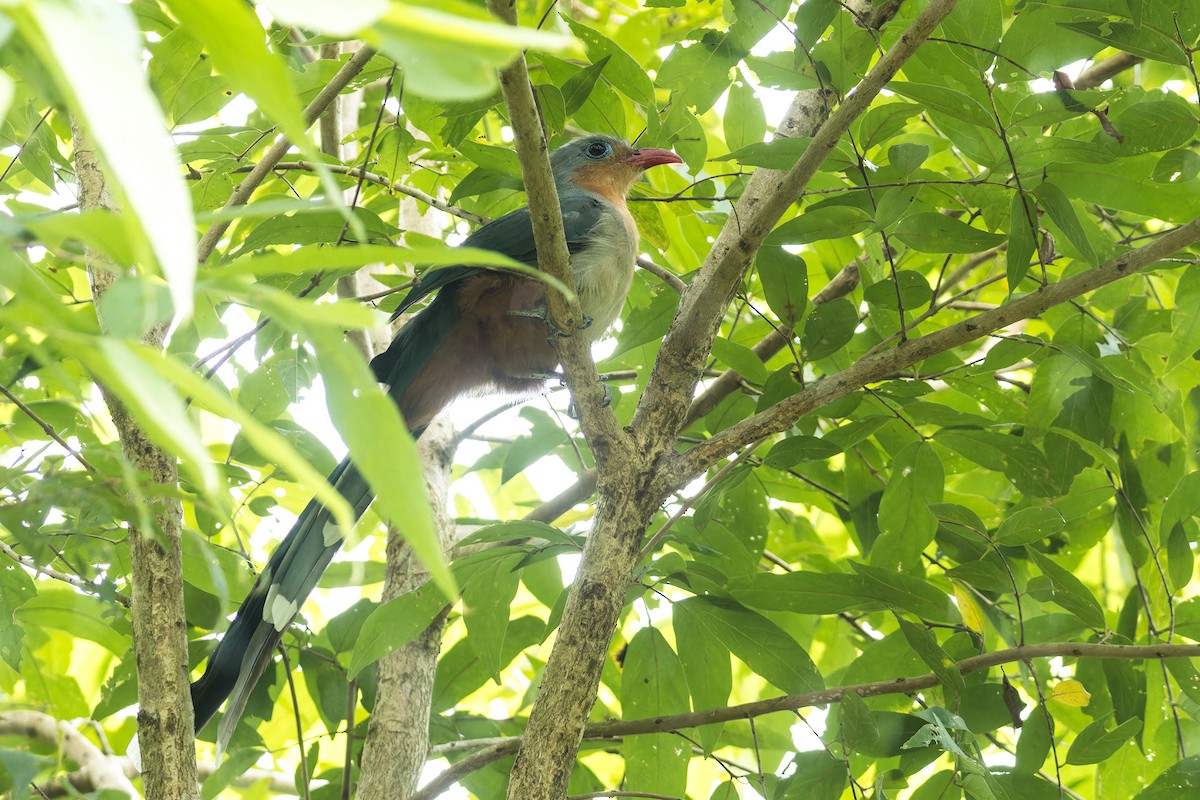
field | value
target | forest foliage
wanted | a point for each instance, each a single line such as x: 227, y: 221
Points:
x: 1036, y: 486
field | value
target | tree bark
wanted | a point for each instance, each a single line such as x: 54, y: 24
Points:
x: 397, y: 743
x: 165, y: 731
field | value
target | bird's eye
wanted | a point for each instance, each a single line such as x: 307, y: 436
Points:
x: 598, y: 149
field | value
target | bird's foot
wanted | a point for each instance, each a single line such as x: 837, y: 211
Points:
x: 555, y: 332
x: 573, y: 412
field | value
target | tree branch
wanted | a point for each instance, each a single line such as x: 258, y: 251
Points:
x: 472, y: 763
x: 275, y: 154
x: 397, y: 743
x: 78, y: 583
x: 1101, y: 71
x: 493, y: 748
x: 165, y: 730
x: 841, y: 285
x: 767, y: 196
x: 595, y: 417
x: 103, y: 771
x: 874, y: 367
x: 792, y: 702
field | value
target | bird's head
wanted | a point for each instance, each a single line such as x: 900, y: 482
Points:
x: 605, y: 165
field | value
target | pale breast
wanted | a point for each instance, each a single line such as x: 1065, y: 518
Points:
x: 604, y: 269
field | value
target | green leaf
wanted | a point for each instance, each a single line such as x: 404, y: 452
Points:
x: 781, y: 153
x: 907, y: 157
x: 91, y: 48
x: 1181, y: 779
x: 451, y: 51
x: 578, y: 88
x: 976, y: 22
x: 517, y: 530
x: 80, y: 615
x: 818, y: 776
x: 906, y: 592
x: 1050, y: 108
x: 18, y: 769
x: 1185, y: 320
x: 1138, y: 40
x: 393, y: 625
x: 622, y: 71
x: 1176, y: 166
x: 699, y: 72
x: 1095, y: 743
x: 705, y: 663
x: 1029, y: 525
x: 827, y: 222
x: 647, y: 323
x: 487, y: 594
x: 858, y: 723
x: 1023, y: 222
x: 1067, y: 591
x: 882, y: 122
x: 812, y: 18
x: 798, y: 449
x: 761, y: 644
x: 654, y: 685
x: 931, y: 232
x: 1034, y: 744
x: 915, y: 292
x: 741, y: 359
x: 947, y: 101
x: 1056, y: 204
x: 805, y: 592
x: 745, y: 123
x: 1181, y: 562
x: 784, y: 278
x: 828, y: 329
x: 923, y: 643
x: 906, y: 524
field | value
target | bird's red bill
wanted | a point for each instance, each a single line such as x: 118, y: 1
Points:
x: 651, y: 157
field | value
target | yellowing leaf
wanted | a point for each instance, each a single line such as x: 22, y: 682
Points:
x: 972, y: 614
x: 1071, y: 693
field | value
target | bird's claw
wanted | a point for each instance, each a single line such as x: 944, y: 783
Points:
x: 573, y: 412
x: 555, y: 332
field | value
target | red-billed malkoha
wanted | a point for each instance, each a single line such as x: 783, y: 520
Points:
x: 484, y: 331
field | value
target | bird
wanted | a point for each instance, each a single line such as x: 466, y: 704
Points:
x: 484, y: 331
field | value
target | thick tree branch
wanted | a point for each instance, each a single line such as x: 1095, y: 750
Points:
x: 275, y: 154
x: 397, y: 743
x: 98, y: 770
x: 595, y: 417
x: 165, y: 729
x: 1101, y: 71
x: 877, y: 366
x: 102, y: 771
x: 768, y: 195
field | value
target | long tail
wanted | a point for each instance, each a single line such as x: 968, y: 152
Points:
x: 248, y: 646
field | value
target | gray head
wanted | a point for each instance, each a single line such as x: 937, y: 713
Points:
x: 605, y: 165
